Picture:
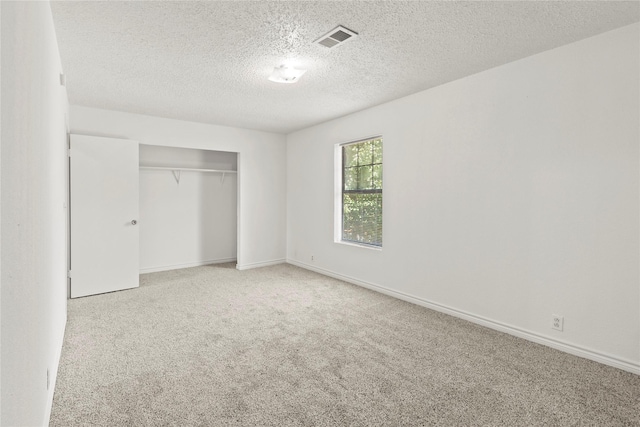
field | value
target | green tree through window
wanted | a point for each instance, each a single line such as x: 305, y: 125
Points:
x: 362, y: 192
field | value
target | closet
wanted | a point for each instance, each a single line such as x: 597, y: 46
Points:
x: 188, y: 207
x: 140, y: 208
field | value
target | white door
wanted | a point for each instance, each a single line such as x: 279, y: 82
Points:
x: 104, y: 215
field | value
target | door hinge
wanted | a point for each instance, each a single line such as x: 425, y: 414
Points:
x: 69, y: 274
x: 69, y: 152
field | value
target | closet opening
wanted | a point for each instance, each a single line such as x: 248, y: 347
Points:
x: 188, y: 207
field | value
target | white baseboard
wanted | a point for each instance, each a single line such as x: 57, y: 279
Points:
x: 260, y: 264
x: 186, y: 265
x: 53, y: 373
x: 606, y: 359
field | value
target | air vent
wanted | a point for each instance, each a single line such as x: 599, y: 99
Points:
x: 336, y: 37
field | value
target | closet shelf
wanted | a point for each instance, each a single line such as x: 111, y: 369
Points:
x: 176, y: 171
x: 164, y: 168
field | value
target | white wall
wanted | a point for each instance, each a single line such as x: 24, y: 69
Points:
x: 33, y: 215
x: 261, y: 170
x: 509, y: 196
x: 190, y: 222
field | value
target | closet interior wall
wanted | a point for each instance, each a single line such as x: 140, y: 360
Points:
x: 187, y: 218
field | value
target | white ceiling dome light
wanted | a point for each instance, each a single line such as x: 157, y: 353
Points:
x: 286, y: 74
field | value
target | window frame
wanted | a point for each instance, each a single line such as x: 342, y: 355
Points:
x: 340, y: 191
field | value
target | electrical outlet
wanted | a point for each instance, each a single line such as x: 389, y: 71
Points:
x: 311, y: 257
x: 557, y: 322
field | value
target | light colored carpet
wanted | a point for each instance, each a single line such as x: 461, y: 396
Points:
x: 281, y: 346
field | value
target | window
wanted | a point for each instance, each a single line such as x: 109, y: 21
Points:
x: 362, y: 192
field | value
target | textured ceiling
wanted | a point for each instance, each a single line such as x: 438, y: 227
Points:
x: 209, y: 61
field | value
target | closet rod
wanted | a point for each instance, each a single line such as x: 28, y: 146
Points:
x: 187, y: 169
x: 176, y: 171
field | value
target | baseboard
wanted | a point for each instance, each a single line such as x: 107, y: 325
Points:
x: 53, y: 373
x: 186, y: 265
x: 606, y: 359
x: 260, y: 264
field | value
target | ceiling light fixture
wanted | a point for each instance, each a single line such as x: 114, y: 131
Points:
x: 286, y: 74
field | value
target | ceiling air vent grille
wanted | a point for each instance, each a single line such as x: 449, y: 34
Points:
x: 337, y: 36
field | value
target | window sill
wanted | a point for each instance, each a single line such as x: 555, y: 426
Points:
x: 359, y: 245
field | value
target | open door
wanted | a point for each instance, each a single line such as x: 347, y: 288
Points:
x: 104, y: 215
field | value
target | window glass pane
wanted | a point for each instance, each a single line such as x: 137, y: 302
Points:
x: 350, y: 155
x: 362, y: 218
x: 377, y: 176
x: 364, y: 177
x: 350, y: 217
x: 351, y: 178
x: 365, y: 153
x: 377, y: 151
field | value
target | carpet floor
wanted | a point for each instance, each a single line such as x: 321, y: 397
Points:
x: 282, y: 346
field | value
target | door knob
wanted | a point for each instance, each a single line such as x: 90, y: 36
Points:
x: 134, y: 222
